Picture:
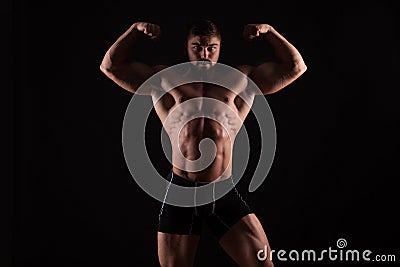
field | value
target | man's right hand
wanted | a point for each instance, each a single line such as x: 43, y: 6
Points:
x: 151, y: 30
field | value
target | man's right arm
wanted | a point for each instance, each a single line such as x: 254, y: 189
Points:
x: 117, y: 66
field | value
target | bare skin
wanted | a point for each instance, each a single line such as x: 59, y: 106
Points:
x: 247, y: 236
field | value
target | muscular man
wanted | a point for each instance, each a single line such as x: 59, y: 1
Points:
x: 235, y: 226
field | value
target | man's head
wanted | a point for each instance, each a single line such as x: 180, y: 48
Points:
x: 203, y: 42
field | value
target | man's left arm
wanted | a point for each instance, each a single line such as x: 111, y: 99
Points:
x: 288, y: 65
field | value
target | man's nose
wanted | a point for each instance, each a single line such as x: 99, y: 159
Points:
x: 205, y: 53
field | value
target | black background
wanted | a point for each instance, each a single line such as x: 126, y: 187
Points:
x: 336, y: 164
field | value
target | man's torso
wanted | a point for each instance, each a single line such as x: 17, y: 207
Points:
x: 198, y: 111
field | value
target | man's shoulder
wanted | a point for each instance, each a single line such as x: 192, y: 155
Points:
x: 160, y: 67
x: 245, y: 69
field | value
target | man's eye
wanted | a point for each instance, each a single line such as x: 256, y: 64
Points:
x: 211, y: 48
x: 197, y: 48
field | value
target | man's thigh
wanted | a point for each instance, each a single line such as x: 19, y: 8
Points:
x: 177, y: 250
x: 243, y: 241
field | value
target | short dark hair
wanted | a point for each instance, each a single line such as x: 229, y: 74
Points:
x: 203, y: 27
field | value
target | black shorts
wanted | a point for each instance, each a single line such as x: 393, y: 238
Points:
x: 219, y: 215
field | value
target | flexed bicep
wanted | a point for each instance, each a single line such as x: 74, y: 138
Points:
x: 271, y: 77
x: 116, y: 63
x: 130, y: 76
x: 287, y: 65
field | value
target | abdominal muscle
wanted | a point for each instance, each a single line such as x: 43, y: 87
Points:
x: 188, y: 144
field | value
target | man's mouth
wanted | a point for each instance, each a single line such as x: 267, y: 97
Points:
x: 204, y: 63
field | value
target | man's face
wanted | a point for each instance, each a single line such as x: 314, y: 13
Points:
x: 204, y: 49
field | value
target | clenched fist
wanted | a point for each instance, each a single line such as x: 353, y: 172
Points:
x: 149, y: 29
x: 252, y: 31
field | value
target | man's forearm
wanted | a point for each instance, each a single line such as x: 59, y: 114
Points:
x: 121, y: 49
x: 285, y: 52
